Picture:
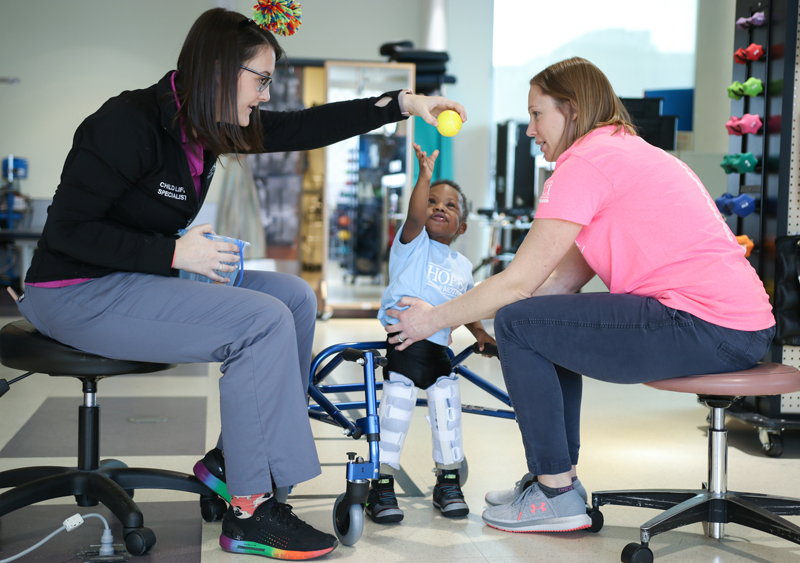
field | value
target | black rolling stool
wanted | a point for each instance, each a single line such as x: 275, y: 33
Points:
x: 109, y: 482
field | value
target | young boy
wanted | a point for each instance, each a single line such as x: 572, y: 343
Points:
x: 422, y: 265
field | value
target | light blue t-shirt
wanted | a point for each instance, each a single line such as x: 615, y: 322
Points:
x: 428, y: 270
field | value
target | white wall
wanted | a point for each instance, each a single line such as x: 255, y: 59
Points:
x: 714, y: 48
x: 70, y: 56
x: 469, y: 42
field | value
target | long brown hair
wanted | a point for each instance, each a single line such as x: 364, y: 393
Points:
x: 208, y: 73
x: 577, y: 86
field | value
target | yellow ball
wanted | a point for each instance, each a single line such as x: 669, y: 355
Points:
x: 449, y: 123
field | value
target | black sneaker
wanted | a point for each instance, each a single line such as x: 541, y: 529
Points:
x: 274, y: 531
x: 447, y: 495
x: 382, y: 502
x: 211, y: 472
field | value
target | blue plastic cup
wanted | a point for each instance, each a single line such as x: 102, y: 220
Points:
x: 235, y: 278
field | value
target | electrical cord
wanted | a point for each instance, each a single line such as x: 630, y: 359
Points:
x: 106, y: 540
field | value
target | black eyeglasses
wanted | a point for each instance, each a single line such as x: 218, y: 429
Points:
x: 265, y: 80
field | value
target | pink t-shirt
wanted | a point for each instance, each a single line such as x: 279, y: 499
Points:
x: 650, y: 228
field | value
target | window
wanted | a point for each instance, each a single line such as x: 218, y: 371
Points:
x: 639, y: 44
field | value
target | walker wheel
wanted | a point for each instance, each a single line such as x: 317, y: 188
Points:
x: 636, y: 553
x: 348, y: 521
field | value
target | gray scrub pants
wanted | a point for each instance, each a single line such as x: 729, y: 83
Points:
x: 262, y: 332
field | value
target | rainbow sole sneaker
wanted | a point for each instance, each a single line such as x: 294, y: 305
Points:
x: 211, y: 472
x: 274, y: 531
x: 533, y: 511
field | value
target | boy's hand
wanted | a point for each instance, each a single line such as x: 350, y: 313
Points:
x: 481, y: 336
x: 425, y: 162
x: 483, y: 339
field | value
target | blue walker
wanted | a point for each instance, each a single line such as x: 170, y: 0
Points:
x: 348, y: 510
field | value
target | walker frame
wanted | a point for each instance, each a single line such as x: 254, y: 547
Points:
x: 348, y: 510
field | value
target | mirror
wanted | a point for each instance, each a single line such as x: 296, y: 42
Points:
x: 366, y: 188
x: 329, y: 215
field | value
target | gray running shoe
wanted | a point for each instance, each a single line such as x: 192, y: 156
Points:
x: 532, y: 511
x: 496, y: 498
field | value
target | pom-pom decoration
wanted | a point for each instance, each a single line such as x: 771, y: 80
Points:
x: 281, y: 17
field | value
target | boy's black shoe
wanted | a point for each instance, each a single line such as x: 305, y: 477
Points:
x: 447, y: 495
x: 211, y: 472
x: 382, y: 502
x: 274, y: 531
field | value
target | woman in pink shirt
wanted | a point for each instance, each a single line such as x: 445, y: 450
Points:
x: 683, y: 299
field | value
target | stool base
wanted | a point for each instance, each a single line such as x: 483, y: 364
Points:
x: 683, y: 507
x: 107, y: 486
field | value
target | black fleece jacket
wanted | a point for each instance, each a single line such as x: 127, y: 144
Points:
x: 126, y: 187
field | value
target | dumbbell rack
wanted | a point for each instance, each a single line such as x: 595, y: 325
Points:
x: 775, y: 184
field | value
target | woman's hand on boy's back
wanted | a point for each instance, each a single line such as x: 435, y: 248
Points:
x: 415, y: 323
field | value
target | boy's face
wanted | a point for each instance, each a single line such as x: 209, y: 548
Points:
x: 444, y: 214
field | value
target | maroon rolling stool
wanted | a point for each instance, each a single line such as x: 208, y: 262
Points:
x: 713, y: 504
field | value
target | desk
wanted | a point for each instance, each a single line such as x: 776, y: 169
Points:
x: 26, y: 241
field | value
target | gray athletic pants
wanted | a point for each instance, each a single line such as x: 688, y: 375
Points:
x: 262, y: 332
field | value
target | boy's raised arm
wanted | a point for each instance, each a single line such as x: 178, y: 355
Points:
x: 418, y: 203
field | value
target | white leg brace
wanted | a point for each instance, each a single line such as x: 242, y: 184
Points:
x: 444, y: 407
x: 397, y: 408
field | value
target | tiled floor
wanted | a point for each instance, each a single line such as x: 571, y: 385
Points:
x: 633, y: 437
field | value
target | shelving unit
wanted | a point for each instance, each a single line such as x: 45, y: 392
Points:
x: 774, y: 183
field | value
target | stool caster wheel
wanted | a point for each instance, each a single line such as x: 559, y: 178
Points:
x: 139, y: 541
x: 771, y: 442
x: 112, y: 464
x: 636, y: 553
x: 348, y: 521
x: 597, y: 520
x: 213, y: 509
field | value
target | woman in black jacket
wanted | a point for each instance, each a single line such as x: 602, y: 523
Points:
x: 102, y: 279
